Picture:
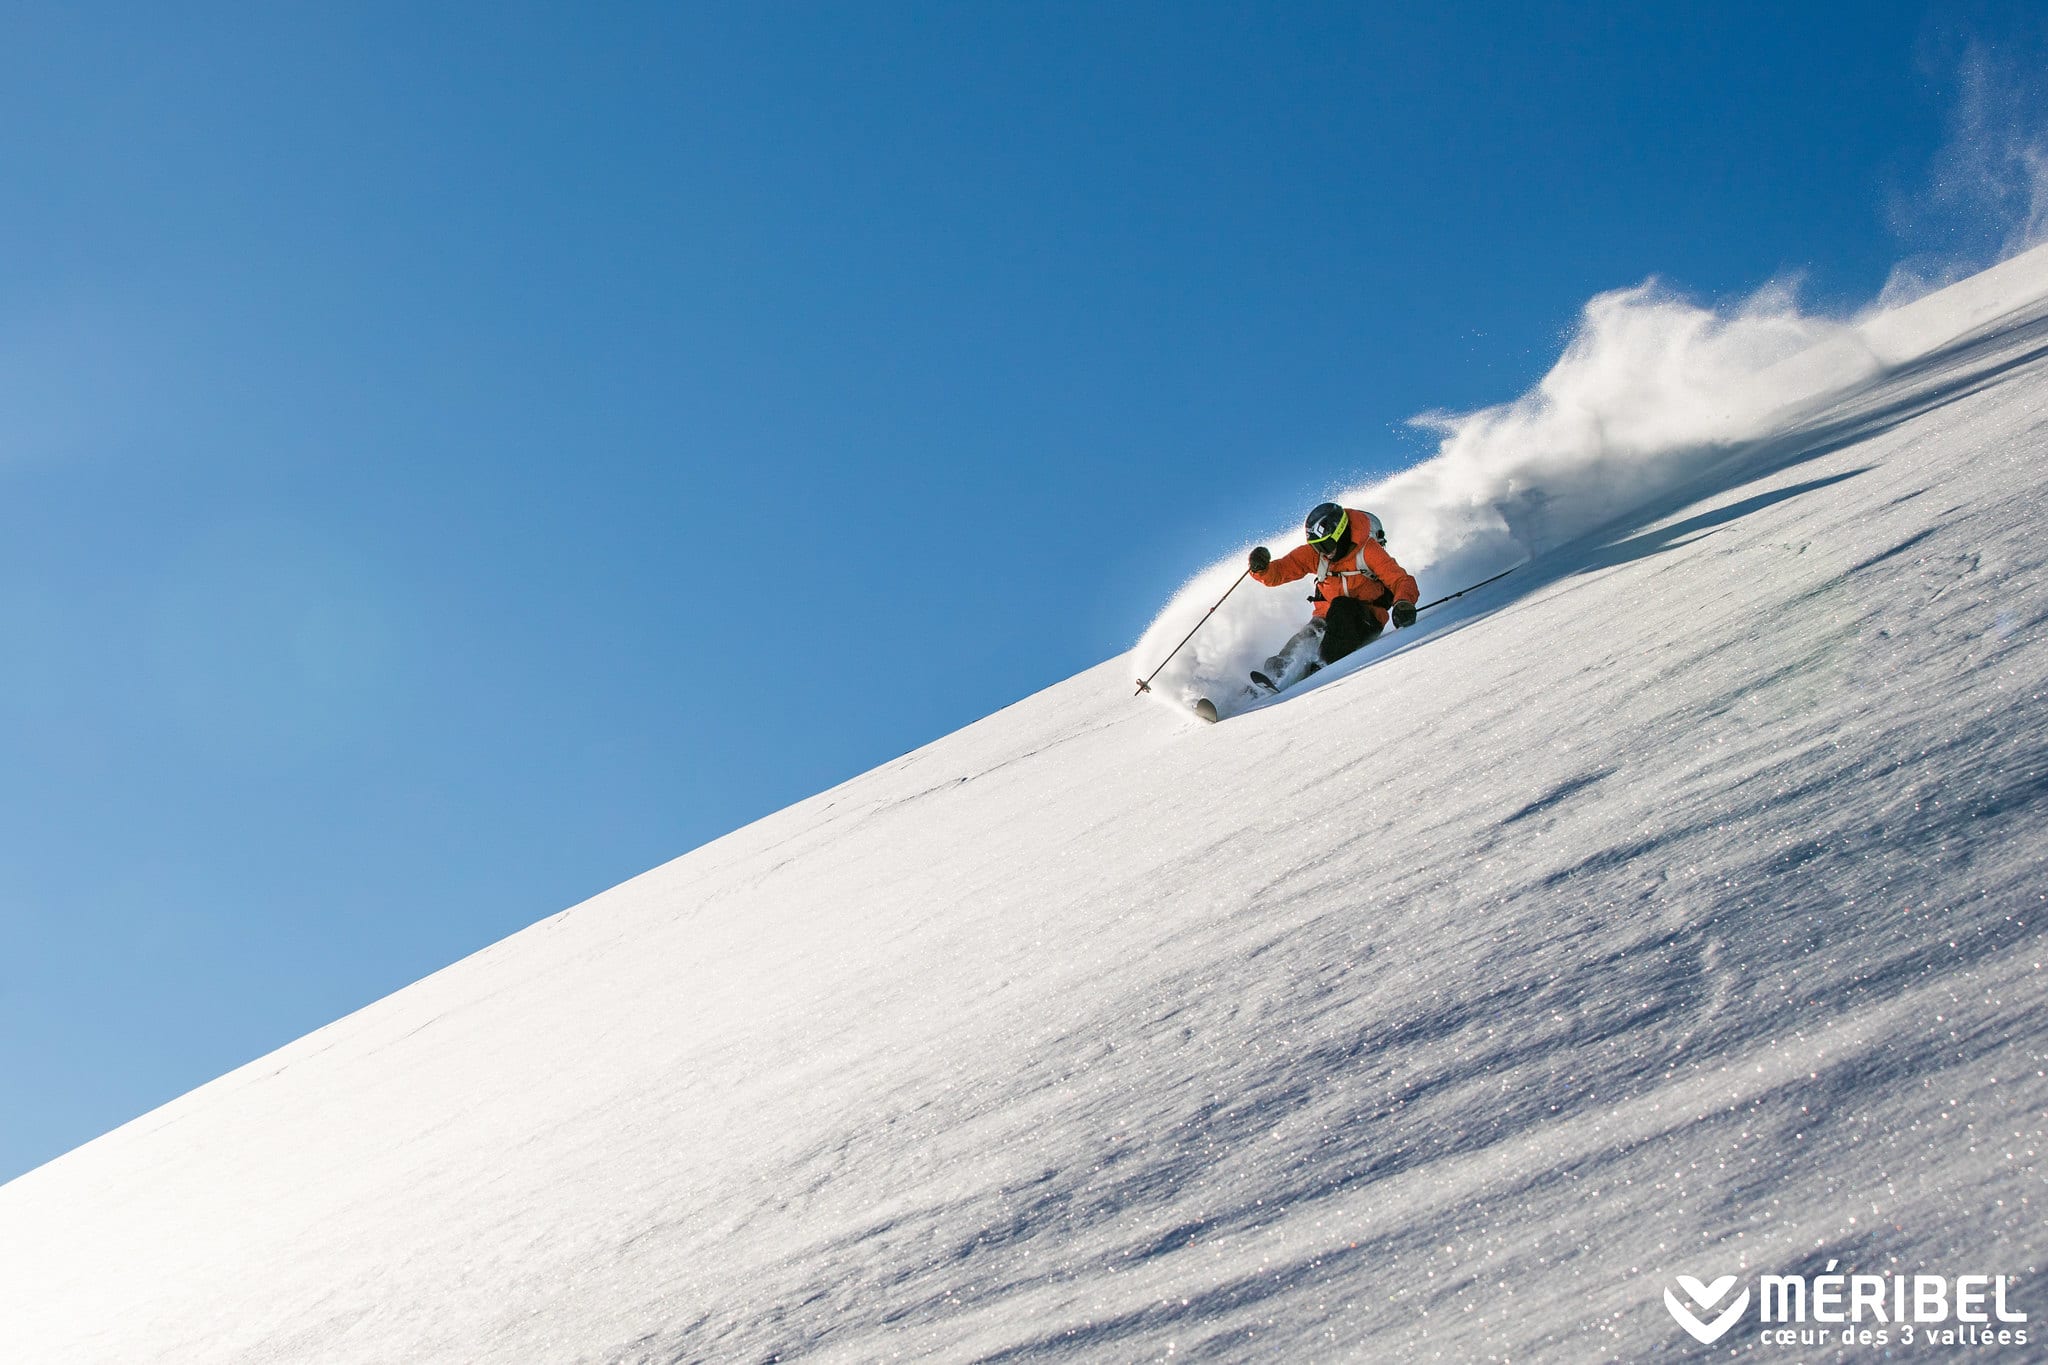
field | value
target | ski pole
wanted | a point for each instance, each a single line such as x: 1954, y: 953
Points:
x: 1145, y: 683
x: 1462, y: 591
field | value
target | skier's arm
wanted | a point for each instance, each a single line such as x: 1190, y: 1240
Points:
x: 1286, y: 569
x: 1397, y: 579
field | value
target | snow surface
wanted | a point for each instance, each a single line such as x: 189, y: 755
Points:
x: 1673, y: 906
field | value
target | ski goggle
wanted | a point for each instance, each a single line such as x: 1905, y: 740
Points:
x: 1336, y: 535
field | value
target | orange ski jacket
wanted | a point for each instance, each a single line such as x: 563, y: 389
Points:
x: 1367, y: 572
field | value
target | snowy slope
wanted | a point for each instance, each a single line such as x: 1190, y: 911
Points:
x: 1673, y: 907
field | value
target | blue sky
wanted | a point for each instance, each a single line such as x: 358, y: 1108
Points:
x: 458, y: 457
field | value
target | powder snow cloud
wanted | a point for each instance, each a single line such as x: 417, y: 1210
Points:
x: 1653, y: 395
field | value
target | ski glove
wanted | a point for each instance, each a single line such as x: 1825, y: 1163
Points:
x: 1261, y: 558
x: 1403, y: 614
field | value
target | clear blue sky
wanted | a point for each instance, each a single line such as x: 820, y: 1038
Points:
x: 458, y: 457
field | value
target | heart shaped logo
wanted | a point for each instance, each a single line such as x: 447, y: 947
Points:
x: 1706, y: 1296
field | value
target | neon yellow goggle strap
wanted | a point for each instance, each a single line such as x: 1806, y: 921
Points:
x: 1343, y: 521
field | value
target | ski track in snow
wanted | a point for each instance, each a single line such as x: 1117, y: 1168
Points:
x: 1673, y: 907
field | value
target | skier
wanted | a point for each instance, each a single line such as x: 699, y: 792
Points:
x: 1359, y: 588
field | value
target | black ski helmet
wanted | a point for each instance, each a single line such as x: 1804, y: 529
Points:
x: 1328, y: 526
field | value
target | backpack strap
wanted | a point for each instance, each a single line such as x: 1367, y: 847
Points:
x: 1360, y: 572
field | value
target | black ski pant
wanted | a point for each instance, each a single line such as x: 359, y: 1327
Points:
x: 1348, y: 625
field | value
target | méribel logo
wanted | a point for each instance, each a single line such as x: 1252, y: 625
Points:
x: 1706, y: 1296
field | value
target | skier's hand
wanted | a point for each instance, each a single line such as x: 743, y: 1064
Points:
x: 1261, y: 558
x: 1403, y: 614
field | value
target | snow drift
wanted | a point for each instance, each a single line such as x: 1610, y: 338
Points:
x: 1652, y: 395
x: 1676, y: 909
